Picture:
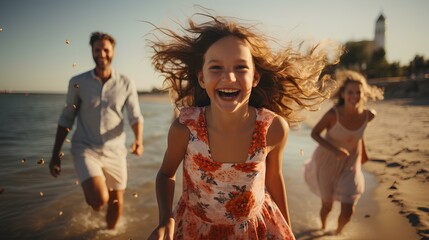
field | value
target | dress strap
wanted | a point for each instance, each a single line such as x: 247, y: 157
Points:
x: 263, y: 114
x: 337, y: 114
x: 190, y: 116
x: 264, y: 119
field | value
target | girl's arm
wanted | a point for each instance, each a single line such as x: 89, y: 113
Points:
x: 178, y: 137
x: 327, y: 121
x: 276, y: 141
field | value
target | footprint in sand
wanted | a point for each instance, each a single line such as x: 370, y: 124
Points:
x: 378, y: 160
x: 405, y: 150
x: 421, y: 171
x: 398, y: 202
x: 423, y: 209
x: 394, y: 195
x: 393, y: 187
x: 393, y: 164
x: 414, y: 219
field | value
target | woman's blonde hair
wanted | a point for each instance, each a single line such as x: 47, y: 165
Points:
x: 345, y: 77
x: 289, y: 79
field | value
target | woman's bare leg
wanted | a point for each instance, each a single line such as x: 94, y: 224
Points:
x: 347, y: 210
x: 324, y: 211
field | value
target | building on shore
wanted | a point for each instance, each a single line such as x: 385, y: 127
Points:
x: 359, y: 53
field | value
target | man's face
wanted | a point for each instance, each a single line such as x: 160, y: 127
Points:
x: 102, y: 53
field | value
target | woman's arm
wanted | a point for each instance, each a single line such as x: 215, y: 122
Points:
x: 276, y: 141
x: 327, y: 121
x: 364, y: 154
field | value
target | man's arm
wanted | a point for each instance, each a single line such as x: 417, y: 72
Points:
x: 66, y: 119
x: 55, y: 163
x: 137, y: 147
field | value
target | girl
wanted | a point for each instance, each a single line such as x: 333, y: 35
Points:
x: 334, y: 172
x: 235, y: 97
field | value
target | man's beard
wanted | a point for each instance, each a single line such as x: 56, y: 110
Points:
x: 102, y: 66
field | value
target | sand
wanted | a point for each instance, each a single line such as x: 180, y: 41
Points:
x: 398, y: 148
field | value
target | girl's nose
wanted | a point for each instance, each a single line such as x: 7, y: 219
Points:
x: 229, y: 76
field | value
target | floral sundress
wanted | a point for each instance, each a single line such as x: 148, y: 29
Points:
x: 226, y: 200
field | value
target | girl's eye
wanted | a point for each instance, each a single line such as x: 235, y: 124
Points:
x: 215, y: 67
x: 242, y: 67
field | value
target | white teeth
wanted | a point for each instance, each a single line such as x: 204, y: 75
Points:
x: 228, y: 90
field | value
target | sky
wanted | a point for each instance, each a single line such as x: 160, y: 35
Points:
x: 34, y: 56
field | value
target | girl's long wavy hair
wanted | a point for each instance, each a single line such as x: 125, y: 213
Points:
x: 289, y: 79
x: 345, y: 77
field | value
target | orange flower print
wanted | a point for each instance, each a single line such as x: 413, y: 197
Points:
x: 181, y: 207
x: 246, y: 167
x: 189, y: 184
x: 191, y: 228
x: 240, y: 205
x: 258, y: 139
x: 220, y: 231
x: 205, y: 164
x: 201, y: 128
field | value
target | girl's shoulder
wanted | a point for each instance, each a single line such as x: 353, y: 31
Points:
x: 332, y: 114
x: 178, y: 133
x: 330, y: 118
x: 277, y: 131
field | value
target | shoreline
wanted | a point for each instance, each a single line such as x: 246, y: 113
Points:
x: 398, y: 148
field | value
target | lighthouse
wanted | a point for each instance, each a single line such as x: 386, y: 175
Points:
x: 380, y: 33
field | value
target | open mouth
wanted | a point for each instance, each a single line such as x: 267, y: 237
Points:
x: 228, y: 93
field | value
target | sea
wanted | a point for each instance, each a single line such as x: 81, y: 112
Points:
x: 35, y: 205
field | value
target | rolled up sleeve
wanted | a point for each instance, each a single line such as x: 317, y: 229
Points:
x: 133, y: 106
x: 71, y: 107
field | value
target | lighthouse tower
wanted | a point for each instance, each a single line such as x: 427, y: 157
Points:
x: 380, y: 33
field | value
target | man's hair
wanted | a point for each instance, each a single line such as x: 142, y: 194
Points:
x: 99, y: 36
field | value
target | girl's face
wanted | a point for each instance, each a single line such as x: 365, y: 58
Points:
x: 352, y: 94
x: 228, y: 74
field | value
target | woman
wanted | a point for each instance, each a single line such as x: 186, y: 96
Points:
x: 334, y: 172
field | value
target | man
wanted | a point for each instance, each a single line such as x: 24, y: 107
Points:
x: 97, y: 98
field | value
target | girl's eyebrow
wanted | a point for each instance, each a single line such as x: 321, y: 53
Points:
x: 240, y: 61
x: 213, y: 61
